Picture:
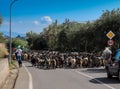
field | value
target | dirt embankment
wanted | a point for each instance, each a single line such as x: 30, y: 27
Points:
x: 4, y: 71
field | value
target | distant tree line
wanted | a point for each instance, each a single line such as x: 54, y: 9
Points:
x: 17, y: 41
x: 75, y: 36
x: 1, y: 35
x: 0, y: 19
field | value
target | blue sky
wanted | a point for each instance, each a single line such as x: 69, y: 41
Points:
x: 34, y: 15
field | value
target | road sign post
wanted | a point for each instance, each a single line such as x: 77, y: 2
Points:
x: 110, y: 42
x: 110, y: 35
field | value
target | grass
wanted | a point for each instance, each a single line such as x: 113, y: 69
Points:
x: 13, y: 64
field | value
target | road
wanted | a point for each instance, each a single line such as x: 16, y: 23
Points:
x: 84, y: 78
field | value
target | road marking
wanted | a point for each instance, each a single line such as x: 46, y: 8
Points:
x: 30, y: 78
x: 94, y: 79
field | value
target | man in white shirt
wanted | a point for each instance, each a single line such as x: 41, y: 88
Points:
x: 19, y: 55
x: 106, y: 55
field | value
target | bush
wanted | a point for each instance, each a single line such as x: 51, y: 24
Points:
x: 13, y: 64
x: 3, y: 50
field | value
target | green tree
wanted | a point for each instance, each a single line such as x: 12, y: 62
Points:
x: 1, y: 38
x: 0, y: 19
x: 1, y: 34
x: 30, y: 37
x: 62, y: 41
x: 17, y: 41
x: 75, y: 36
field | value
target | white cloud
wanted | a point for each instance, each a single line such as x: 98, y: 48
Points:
x: 36, y: 23
x: 46, y: 20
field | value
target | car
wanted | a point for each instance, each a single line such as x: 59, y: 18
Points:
x: 113, y: 70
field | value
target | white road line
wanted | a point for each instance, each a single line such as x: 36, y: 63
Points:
x: 30, y: 78
x: 94, y: 79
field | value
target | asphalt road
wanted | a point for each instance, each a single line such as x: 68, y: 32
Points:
x: 84, y: 78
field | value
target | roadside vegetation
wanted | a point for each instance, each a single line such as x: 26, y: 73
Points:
x: 13, y: 64
x: 17, y: 41
x: 0, y: 19
x: 75, y: 36
x: 3, y: 49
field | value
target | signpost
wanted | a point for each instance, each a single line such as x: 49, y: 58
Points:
x: 110, y: 42
x: 110, y: 35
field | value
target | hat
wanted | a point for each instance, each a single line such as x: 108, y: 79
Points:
x: 107, y: 48
x: 18, y: 47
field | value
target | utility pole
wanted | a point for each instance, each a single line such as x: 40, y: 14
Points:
x: 10, y: 49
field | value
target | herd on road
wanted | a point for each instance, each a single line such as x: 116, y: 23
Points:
x: 54, y: 59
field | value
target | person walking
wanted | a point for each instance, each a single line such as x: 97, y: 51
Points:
x: 107, y: 55
x: 19, y: 56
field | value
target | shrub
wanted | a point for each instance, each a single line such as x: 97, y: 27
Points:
x: 3, y: 50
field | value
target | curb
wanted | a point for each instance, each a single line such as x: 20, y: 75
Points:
x: 16, y: 78
x: 11, y: 79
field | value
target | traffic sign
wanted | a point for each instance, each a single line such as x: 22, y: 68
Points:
x: 110, y: 34
x: 110, y: 42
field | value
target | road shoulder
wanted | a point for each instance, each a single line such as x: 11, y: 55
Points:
x: 22, y: 81
x: 11, y: 79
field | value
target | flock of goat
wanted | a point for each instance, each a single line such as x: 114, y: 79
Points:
x: 53, y: 59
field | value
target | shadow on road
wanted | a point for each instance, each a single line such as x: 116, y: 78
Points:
x: 105, y: 80
x: 96, y: 70
x: 29, y: 66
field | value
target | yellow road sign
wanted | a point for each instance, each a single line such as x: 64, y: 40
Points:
x: 110, y: 34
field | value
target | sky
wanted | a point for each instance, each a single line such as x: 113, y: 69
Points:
x: 34, y: 15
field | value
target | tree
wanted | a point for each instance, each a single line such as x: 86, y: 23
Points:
x: 1, y: 35
x: 62, y: 41
x: 1, y: 38
x: 30, y: 37
x: 75, y: 36
x: 17, y: 41
x: 0, y: 19
x: 39, y: 43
